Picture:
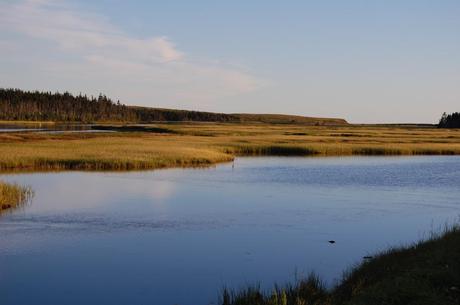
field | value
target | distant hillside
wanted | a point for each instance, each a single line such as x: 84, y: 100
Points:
x: 147, y: 114
x: 22, y: 105
x: 288, y: 119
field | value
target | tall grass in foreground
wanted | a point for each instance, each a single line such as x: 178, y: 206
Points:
x: 311, y: 289
x: 425, y: 273
x: 14, y: 195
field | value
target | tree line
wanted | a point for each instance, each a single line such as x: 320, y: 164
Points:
x: 450, y: 120
x: 16, y: 104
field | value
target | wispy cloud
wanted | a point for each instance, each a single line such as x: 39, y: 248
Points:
x: 76, y: 31
x: 104, y: 52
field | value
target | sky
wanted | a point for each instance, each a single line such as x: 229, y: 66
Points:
x: 367, y: 61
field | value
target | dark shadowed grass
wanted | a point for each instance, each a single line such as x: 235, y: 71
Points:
x: 376, y: 151
x: 14, y: 195
x: 133, y: 128
x: 272, y: 150
x: 311, y: 289
x: 426, y: 273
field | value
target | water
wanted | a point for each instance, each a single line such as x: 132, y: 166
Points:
x: 178, y: 236
x: 49, y: 128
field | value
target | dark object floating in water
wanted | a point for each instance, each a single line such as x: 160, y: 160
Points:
x: 367, y: 257
x: 332, y: 241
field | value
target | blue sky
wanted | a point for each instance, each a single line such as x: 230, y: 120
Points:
x: 366, y: 61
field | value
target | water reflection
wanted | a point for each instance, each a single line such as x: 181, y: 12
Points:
x: 177, y: 236
x: 50, y: 128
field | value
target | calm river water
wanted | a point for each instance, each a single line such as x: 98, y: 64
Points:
x: 178, y: 236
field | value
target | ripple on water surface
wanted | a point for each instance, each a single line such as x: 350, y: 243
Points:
x: 178, y: 236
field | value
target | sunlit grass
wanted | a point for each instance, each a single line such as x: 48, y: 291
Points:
x: 13, y: 195
x: 194, y: 144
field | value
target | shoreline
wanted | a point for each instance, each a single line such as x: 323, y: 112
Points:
x: 69, y: 166
x: 425, y: 272
x: 190, y: 145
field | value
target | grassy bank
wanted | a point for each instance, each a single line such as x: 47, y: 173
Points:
x: 194, y: 144
x: 425, y: 273
x: 13, y: 195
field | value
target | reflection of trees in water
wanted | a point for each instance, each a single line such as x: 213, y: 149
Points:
x: 13, y: 196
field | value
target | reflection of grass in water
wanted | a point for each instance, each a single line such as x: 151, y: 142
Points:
x: 427, y: 272
x: 14, y: 195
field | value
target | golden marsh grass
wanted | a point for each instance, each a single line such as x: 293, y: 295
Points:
x: 202, y: 144
x: 13, y: 195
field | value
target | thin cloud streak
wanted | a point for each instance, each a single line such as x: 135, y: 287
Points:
x: 76, y: 31
x: 105, y: 53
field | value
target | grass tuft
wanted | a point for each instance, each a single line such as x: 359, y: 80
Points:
x: 14, y: 195
x: 310, y: 290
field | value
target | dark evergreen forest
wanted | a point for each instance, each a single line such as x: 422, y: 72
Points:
x: 450, y: 120
x: 16, y: 104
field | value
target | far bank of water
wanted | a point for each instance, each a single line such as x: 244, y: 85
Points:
x: 50, y: 128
